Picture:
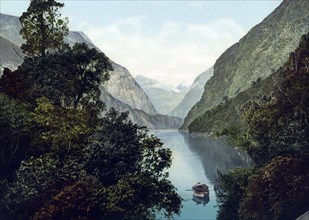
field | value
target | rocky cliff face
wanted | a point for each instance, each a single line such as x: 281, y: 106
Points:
x: 139, y: 116
x: 121, y: 92
x: 261, y: 51
x: 194, y: 95
x: 123, y: 86
x: 164, y: 97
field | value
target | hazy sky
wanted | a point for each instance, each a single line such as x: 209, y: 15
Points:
x: 171, y: 41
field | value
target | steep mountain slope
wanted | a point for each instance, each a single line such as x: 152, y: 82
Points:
x: 261, y: 51
x: 164, y: 97
x: 9, y: 55
x: 194, y: 95
x: 121, y: 91
x: 123, y: 87
x: 139, y: 116
x: 227, y: 117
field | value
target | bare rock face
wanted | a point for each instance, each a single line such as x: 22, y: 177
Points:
x: 139, y: 116
x: 194, y: 95
x: 123, y: 86
x: 121, y: 92
x: 164, y: 97
x: 259, y: 53
x: 10, y: 55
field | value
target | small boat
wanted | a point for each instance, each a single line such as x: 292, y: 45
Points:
x: 200, y: 190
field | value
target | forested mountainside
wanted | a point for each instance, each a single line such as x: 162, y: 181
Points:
x: 194, y: 95
x: 277, y: 139
x: 164, y: 97
x: 121, y: 85
x: 257, y: 55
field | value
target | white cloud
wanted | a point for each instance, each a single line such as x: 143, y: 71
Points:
x: 196, y: 4
x: 178, y: 52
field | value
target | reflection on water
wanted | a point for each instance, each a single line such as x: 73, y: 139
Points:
x: 198, y: 160
x: 199, y: 200
x: 216, y: 155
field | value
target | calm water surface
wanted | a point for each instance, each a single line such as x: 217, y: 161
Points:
x: 198, y: 160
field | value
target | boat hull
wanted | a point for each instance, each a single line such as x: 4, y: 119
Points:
x: 201, y: 195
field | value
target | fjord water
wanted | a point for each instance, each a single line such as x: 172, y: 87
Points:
x: 197, y: 159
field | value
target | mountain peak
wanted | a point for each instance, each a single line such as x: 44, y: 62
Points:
x: 183, y: 85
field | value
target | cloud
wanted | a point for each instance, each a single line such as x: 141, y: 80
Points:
x: 196, y: 4
x: 177, y: 51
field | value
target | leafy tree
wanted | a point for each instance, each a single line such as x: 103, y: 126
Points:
x: 12, y: 84
x: 126, y: 165
x: 131, y: 165
x: 69, y: 78
x: 76, y: 201
x: 59, y: 130
x: 231, y: 189
x: 80, y: 164
x: 14, y: 134
x: 279, y: 190
x: 42, y: 27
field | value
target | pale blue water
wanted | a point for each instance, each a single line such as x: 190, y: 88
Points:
x: 197, y: 160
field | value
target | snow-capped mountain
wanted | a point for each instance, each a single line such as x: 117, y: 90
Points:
x: 194, y: 95
x: 164, y: 97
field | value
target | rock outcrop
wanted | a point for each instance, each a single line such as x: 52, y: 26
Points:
x: 123, y: 87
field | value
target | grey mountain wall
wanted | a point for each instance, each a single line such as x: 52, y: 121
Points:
x: 261, y: 51
x: 10, y: 55
x: 123, y: 86
x: 194, y: 95
x: 139, y: 116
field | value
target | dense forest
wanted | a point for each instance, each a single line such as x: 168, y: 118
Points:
x: 276, y: 136
x: 63, y: 155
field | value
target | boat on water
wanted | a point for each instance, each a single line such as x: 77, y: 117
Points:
x: 200, y: 190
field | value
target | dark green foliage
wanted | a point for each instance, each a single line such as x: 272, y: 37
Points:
x: 279, y: 190
x: 14, y: 134
x: 279, y: 123
x: 12, y: 84
x: 69, y: 78
x: 62, y: 156
x: 231, y: 189
x: 277, y: 139
x: 42, y: 27
x: 116, y: 148
x: 130, y: 164
x: 126, y: 167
